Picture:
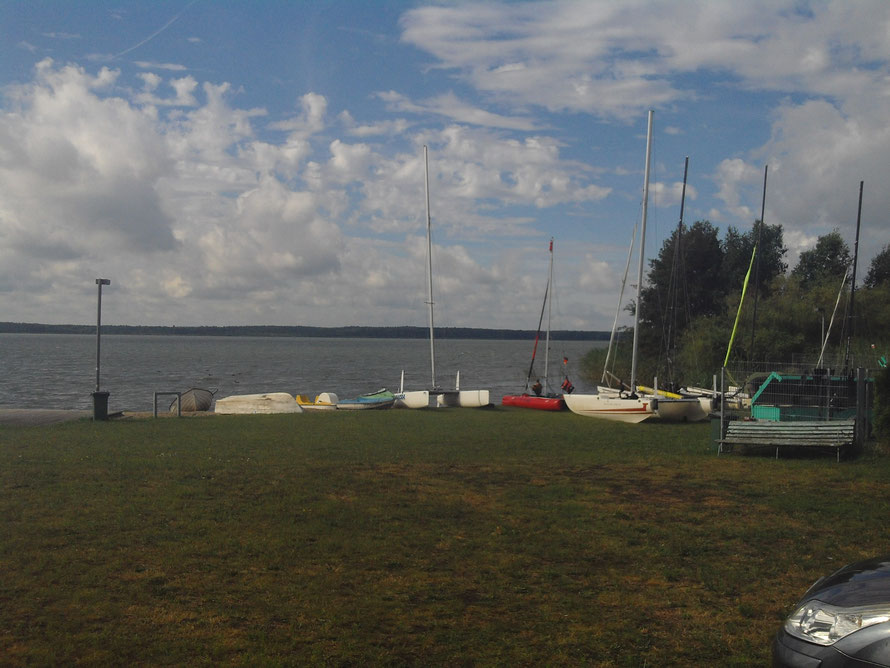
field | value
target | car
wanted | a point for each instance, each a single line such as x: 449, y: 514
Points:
x: 842, y: 620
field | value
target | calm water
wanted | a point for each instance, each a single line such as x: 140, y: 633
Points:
x: 59, y: 370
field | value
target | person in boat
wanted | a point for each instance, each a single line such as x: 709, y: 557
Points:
x: 567, y: 386
x: 537, y: 388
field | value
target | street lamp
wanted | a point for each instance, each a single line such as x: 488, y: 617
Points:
x: 100, y: 399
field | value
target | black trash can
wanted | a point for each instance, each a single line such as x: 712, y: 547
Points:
x: 100, y: 405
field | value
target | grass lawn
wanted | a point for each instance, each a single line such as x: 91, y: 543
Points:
x: 467, y: 537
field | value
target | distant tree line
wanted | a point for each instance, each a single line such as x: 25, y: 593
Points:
x: 404, y: 332
x: 694, y: 287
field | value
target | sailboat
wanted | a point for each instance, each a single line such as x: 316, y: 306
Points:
x: 542, y: 397
x: 624, y: 406
x: 420, y: 398
x: 673, y: 406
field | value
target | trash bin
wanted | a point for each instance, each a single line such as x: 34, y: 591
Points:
x: 100, y: 405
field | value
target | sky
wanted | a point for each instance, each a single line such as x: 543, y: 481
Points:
x: 261, y: 162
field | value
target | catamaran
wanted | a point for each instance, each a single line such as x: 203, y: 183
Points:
x: 420, y: 398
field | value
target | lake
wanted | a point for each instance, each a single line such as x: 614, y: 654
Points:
x: 59, y: 370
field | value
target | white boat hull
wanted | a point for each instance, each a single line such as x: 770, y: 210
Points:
x: 412, y: 399
x: 680, y: 410
x: 463, y: 399
x: 252, y: 404
x: 473, y: 398
x: 610, y: 407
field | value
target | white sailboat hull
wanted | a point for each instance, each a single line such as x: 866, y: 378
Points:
x: 610, y: 407
x: 463, y: 399
x: 412, y: 399
x: 473, y: 398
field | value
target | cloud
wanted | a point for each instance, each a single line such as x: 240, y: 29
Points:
x: 449, y: 106
x: 170, y: 67
x: 816, y: 156
x: 195, y: 217
x: 382, y: 128
x: 203, y: 207
x: 183, y: 91
x: 72, y: 160
x: 613, y: 59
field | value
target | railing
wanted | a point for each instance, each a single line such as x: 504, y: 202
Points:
x: 178, y: 396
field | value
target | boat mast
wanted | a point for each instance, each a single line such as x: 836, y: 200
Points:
x: 429, y: 255
x: 678, y: 267
x: 759, y: 234
x: 852, y: 317
x: 549, y: 311
x: 633, y: 368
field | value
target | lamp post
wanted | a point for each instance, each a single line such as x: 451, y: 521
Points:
x: 100, y: 399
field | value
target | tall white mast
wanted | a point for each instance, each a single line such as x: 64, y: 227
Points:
x: 429, y: 255
x: 633, y: 369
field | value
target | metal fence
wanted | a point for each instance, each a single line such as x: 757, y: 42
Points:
x: 796, y: 392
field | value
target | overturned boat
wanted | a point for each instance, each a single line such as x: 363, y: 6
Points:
x: 252, y: 404
x: 192, y: 400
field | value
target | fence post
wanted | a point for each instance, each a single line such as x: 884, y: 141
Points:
x: 861, y: 410
x: 722, y: 407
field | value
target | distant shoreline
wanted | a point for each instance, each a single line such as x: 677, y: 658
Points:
x: 358, y: 332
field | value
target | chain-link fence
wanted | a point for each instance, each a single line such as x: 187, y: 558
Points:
x: 788, y: 392
x: 796, y: 393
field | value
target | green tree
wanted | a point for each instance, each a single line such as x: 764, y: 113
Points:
x: 683, y: 283
x: 830, y: 259
x: 879, y: 270
x: 737, y: 248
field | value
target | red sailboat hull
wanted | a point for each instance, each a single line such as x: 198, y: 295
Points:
x: 532, y: 401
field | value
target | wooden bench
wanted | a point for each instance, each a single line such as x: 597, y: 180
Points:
x: 836, y: 434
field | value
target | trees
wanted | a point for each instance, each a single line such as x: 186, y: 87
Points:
x: 879, y: 270
x: 681, y: 286
x: 690, y: 280
x: 682, y: 279
x: 688, y: 307
x: 737, y: 248
x: 830, y: 259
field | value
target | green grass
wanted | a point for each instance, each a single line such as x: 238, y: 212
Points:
x: 493, y: 537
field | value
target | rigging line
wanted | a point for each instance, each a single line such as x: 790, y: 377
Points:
x: 630, y: 251
x: 669, y: 316
x: 531, y: 366
x: 681, y: 274
x: 833, y: 313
